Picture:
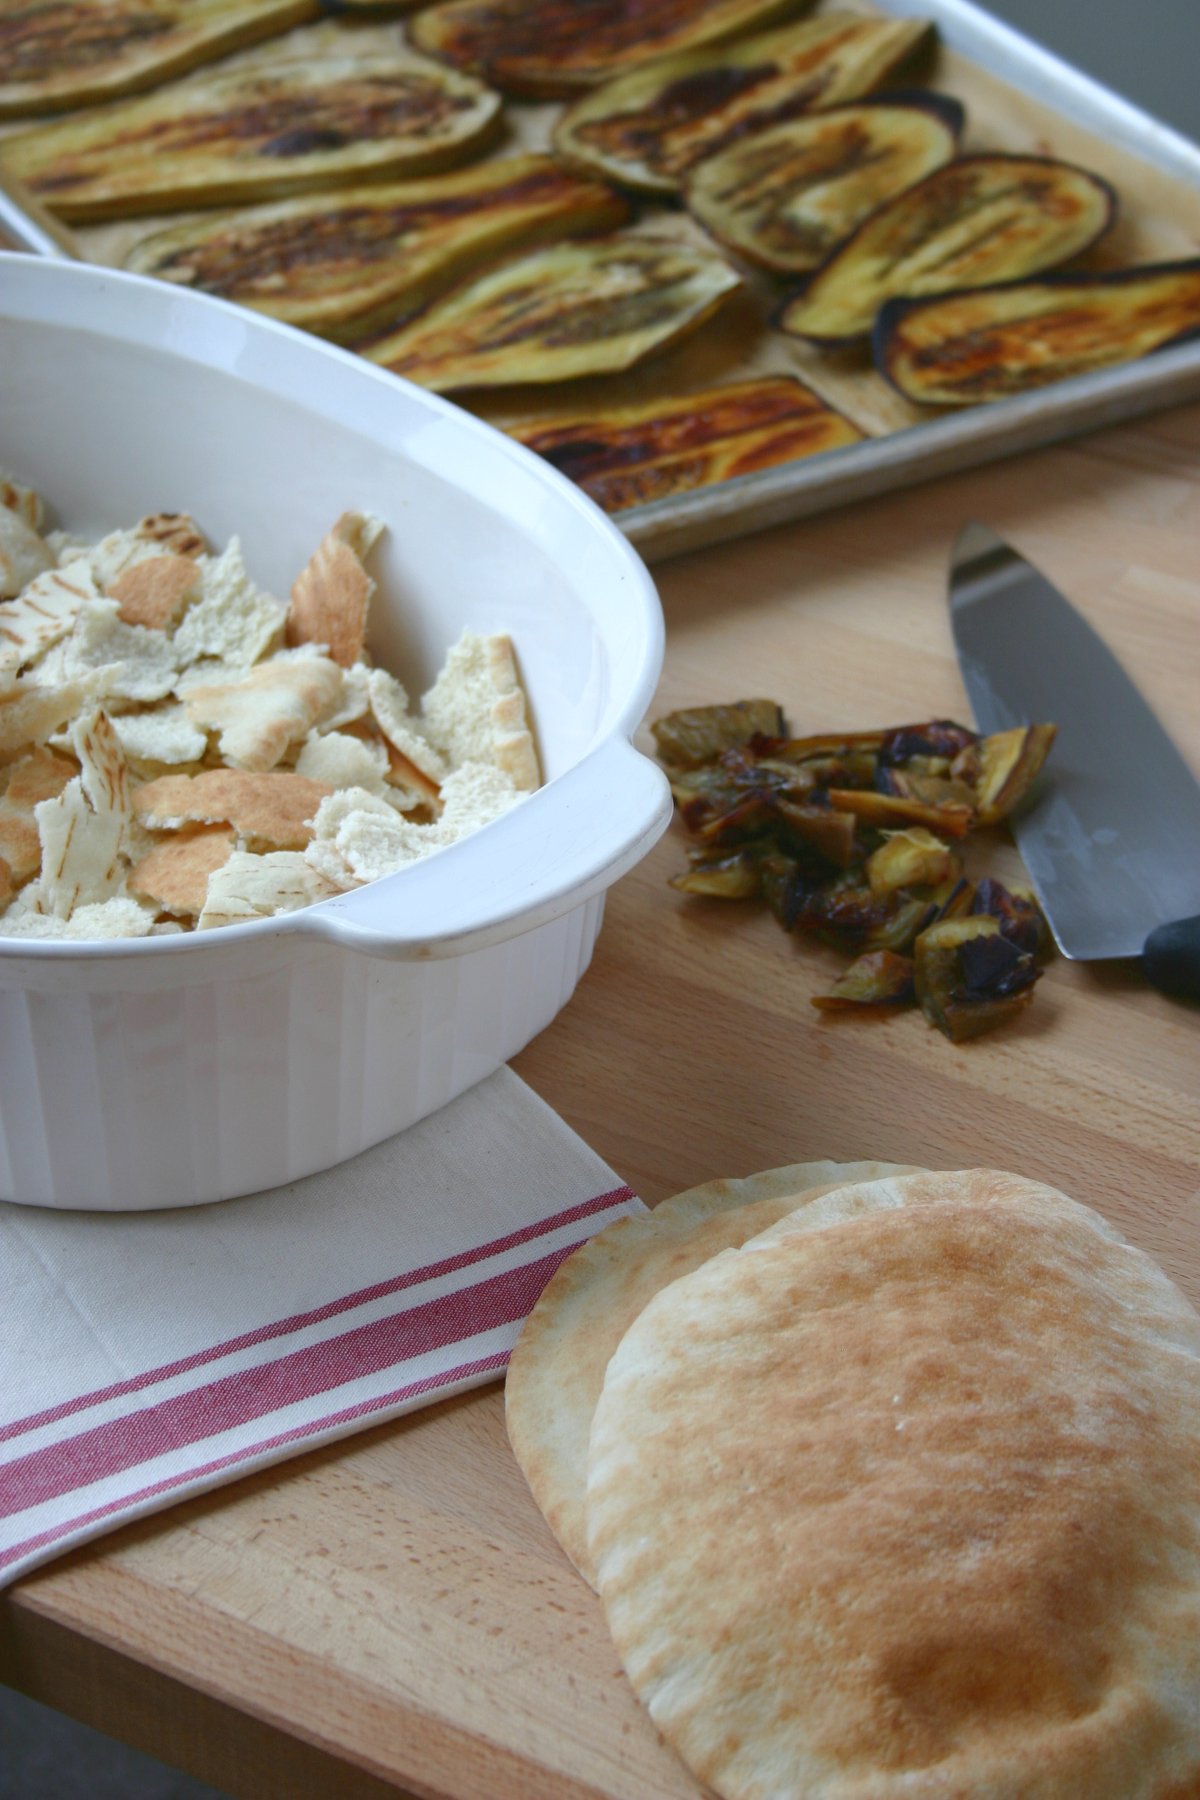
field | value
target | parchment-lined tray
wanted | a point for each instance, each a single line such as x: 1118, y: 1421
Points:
x: 1017, y: 98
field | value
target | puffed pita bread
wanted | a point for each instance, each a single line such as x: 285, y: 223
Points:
x: 175, y: 873
x: 332, y: 592
x: 275, y: 809
x: 557, y: 1369
x: 904, y: 1506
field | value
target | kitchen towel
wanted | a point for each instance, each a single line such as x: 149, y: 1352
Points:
x: 147, y: 1357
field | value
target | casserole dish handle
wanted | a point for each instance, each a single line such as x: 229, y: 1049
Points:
x: 527, y: 867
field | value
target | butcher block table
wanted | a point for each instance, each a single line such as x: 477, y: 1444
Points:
x: 391, y: 1615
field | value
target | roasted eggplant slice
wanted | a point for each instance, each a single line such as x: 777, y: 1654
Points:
x: 880, y: 978
x: 786, y: 197
x: 551, y: 48
x: 646, y: 128
x: 980, y: 220
x: 969, y: 977
x: 698, y: 734
x: 64, y: 53
x: 284, y: 127
x: 639, y: 453
x: 578, y: 308
x: 339, y: 262
x: 987, y: 344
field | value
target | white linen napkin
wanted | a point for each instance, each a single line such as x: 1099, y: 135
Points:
x: 146, y: 1357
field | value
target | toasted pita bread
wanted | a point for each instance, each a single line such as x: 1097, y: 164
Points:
x: 274, y: 809
x: 42, y: 612
x: 273, y: 707
x: 155, y: 591
x: 175, y: 873
x: 33, y: 778
x: 901, y: 1504
x: 332, y: 592
x: 557, y: 1369
x: 259, y: 887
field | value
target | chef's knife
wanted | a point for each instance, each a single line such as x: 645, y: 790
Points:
x: 1111, y: 833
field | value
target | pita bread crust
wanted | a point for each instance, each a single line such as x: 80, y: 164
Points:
x: 20, y: 498
x: 475, y: 710
x: 29, y: 712
x: 556, y: 1371
x: 332, y: 592
x: 906, y: 1506
x: 44, y: 612
x: 234, y: 622
x: 39, y: 776
x: 175, y: 873
x: 416, y: 763
x: 259, y: 887
x: 259, y: 718
x: 276, y: 808
x: 155, y: 591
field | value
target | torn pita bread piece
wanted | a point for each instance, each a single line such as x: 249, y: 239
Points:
x: 119, y: 917
x: 261, y: 887
x: 556, y: 1371
x: 174, y: 876
x: 159, y: 534
x: 274, y: 809
x: 41, y: 775
x: 344, y: 760
x: 23, y: 554
x: 475, y: 710
x: 155, y: 591
x: 259, y: 718
x: 235, y: 622
x: 415, y: 762
x: 162, y: 735
x: 43, y: 612
x: 359, y: 838
x: 353, y: 703
x: 30, y: 712
x: 8, y: 886
x: 332, y: 592
x: 83, y: 829
x: 25, y: 501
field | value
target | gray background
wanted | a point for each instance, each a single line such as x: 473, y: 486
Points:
x: 1148, y: 50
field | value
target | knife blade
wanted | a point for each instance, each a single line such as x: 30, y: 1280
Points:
x: 1110, y: 835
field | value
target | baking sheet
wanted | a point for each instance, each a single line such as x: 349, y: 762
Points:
x: 1017, y: 98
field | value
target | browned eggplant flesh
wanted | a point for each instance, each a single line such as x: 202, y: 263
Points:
x: 990, y: 343
x: 827, y: 831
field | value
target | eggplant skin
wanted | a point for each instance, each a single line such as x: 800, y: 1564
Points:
x: 56, y: 54
x: 646, y: 128
x: 550, y: 49
x: 583, y: 307
x: 636, y: 454
x: 288, y: 126
x: 786, y: 197
x: 335, y: 263
x: 978, y: 221
x: 984, y: 344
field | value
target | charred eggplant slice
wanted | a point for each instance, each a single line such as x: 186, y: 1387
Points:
x: 880, y: 978
x: 969, y: 977
x: 786, y: 197
x: 56, y: 54
x: 980, y: 220
x: 550, y: 48
x: 698, y: 734
x: 639, y: 453
x: 284, y: 127
x: 989, y: 344
x: 646, y: 128
x: 337, y: 262
x: 584, y: 307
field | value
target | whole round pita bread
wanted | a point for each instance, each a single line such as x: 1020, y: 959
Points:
x: 557, y: 1368
x: 904, y: 1501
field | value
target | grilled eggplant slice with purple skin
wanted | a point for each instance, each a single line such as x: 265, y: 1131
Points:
x: 284, y: 127
x: 584, y: 307
x: 990, y: 343
x: 551, y: 49
x: 339, y: 263
x: 635, y: 454
x: 646, y: 128
x: 786, y: 197
x: 980, y: 220
x: 65, y: 53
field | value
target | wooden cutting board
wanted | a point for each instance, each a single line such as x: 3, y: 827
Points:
x: 392, y: 1615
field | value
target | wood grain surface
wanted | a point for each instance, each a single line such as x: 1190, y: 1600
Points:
x: 392, y: 1615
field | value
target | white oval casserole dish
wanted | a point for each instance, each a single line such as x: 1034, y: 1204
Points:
x: 179, y: 1070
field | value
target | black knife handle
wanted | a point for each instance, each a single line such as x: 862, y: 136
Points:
x: 1171, y: 958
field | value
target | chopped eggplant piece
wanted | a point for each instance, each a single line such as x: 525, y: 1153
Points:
x: 733, y: 877
x: 990, y: 343
x: 979, y: 220
x: 823, y: 829
x: 785, y: 198
x: 912, y: 858
x: 547, y: 48
x: 880, y: 978
x: 1021, y: 919
x: 783, y: 886
x: 969, y: 977
x: 589, y: 306
x: 696, y: 734
x: 953, y: 819
x: 941, y: 740
x: 647, y: 127
x: 1009, y: 762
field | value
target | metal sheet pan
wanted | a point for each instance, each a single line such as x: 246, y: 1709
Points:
x: 1025, y: 97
